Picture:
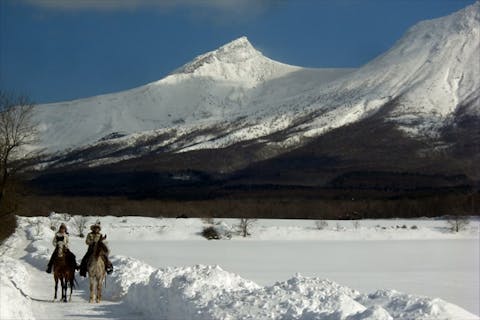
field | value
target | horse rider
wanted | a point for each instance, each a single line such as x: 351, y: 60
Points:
x: 62, y: 236
x: 93, y: 237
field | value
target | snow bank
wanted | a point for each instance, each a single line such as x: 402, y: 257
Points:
x: 185, y: 293
x: 210, y: 293
x: 405, y: 306
x: 14, y: 304
x: 128, y: 271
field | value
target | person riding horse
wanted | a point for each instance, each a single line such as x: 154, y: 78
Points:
x: 61, y: 236
x: 92, y: 238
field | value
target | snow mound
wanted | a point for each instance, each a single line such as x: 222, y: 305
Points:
x: 406, y: 306
x: 38, y: 254
x: 13, y: 276
x: 296, y: 298
x: 185, y: 293
x: 128, y: 271
x: 208, y: 292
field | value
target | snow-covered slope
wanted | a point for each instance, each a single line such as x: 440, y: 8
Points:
x: 214, y: 88
x: 434, y: 69
x: 236, y: 94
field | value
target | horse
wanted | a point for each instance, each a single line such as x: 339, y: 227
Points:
x: 96, y: 270
x: 64, y: 271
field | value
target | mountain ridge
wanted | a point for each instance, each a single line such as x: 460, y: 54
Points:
x: 231, y: 108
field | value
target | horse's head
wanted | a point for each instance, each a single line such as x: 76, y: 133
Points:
x: 100, y: 248
x: 61, y: 249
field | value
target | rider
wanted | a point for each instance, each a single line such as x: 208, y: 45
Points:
x: 61, y: 236
x: 92, y: 238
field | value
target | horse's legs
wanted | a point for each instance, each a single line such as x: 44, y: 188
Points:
x: 64, y: 294
x: 56, y: 287
x: 66, y: 289
x: 72, y: 279
x: 99, y: 288
x: 92, y: 287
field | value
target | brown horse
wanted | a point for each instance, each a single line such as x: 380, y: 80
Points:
x: 64, y: 271
x: 96, y: 270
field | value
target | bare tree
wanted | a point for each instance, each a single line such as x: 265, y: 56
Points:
x: 457, y: 222
x: 17, y: 130
x: 356, y: 224
x: 321, y: 224
x: 80, y: 224
x: 245, y: 225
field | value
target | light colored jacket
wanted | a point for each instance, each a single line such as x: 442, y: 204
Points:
x: 55, y: 240
x: 92, y: 238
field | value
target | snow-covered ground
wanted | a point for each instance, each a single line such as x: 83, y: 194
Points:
x: 286, y: 269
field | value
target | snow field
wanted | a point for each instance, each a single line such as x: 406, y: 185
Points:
x: 209, y: 292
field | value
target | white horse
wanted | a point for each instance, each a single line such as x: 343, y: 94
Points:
x: 96, y: 270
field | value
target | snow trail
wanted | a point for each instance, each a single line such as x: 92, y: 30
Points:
x: 42, y: 290
x: 39, y: 290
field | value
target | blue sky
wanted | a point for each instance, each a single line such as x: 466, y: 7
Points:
x: 55, y: 50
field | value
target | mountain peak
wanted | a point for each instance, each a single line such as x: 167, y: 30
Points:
x: 235, y: 52
x: 236, y: 61
x: 238, y: 45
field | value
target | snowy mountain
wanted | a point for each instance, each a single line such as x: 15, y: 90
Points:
x: 214, y: 89
x: 236, y: 104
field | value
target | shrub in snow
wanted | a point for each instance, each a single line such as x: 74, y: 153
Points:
x: 210, y: 233
x: 414, y: 227
x: 321, y: 224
